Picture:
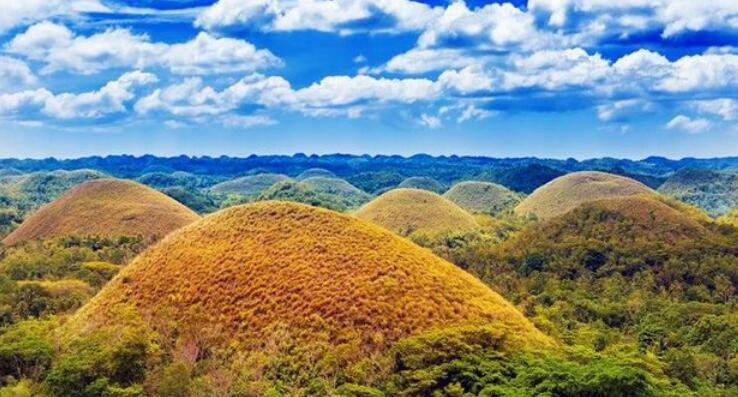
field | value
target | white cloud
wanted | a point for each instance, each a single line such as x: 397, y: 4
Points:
x: 471, y: 112
x: 419, y: 60
x: 686, y: 124
x: 193, y: 98
x: 238, y: 121
x: 15, y: 74
x: 109, y: 99
x: 626, y: 17
x: 429, y: 121
x: 344, y: 16
x: 60, y: 49
x: 15, y: 13
x: 624, y: 110
x: 555, y: 70
x: 496, y: 26
x: 724, y: 107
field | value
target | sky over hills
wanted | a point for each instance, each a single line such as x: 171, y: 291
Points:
x: 556, y: 78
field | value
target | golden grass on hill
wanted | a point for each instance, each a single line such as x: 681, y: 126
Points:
x: 483, y: 197
x: 729, y: 219
x: 643, y: 217
x: 273, y: 264
x: 407, y: 211
x: 569, y: 191
x: 108, y: 208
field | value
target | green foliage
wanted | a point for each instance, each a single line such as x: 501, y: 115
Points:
x: 300, y: 192
x: 202, y: 202
x: 714, y: 191
x: 26, y: 349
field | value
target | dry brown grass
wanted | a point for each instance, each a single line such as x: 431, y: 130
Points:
x: 256, y: 267
x: 407, y: 211
x: 108, y: 208
x: 565, y: 193
x: 730, y: 218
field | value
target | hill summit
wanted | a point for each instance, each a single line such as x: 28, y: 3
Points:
x: 565, y: 193
x: 254, y: 267
x: 406, y: 211
x: 482, y: 197
x: 105, y: 207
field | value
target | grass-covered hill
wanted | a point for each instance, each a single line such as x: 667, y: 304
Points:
x: 569, y: 191
x: 255, y: 269
x: 105, y: 207
x: 714, y: 191
x: 298, y: 192
x: 408, y: 211
x: 315, y: 172
x: 483, y: 197
x: 347, y: 194
x: 423, y: 183
x: 249, y: 185
x: 163, y: 180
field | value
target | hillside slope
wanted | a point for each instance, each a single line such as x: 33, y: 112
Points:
x: 105, y: 207
x: 249, y: 185
x: 569, y: 191
x: 407, y: 211
x: 483, y: 197
x: 255, y: 267
x: 714, y: 191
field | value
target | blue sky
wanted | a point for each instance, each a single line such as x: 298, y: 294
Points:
x: 549, y: 78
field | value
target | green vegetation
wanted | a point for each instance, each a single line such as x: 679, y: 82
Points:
x: 376, y: 182
x: 347, y: 194
x: 620, y: 292
x: 249, y: 186
x: 299, y: 192
x: 714, y: 191
x: 422, y: 183
x: 483, y: 197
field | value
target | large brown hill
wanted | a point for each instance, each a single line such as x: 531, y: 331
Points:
x: 106, y: 208
x: 259, y: 266
x: 565, y: 193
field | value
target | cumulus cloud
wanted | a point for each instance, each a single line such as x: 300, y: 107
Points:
x: 686, y: 124
x: 60, y: 49
x: 726, y: 108
x: 344, y: 16
x: 430, y: 121
x: 15, y: 74
x: 627, y: 17
x: 15, y: 13
x: 111, y: 98
x: 624, y: 110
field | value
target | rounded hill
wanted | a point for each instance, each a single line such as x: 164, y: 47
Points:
x: 315, y: 172
x: 565, y: 193
x: 622, y: 223
x: 406, y: 211
x: 105, y: 207
x: 423, y: 183
x: 349, y: 195
x: 483, y: 197
x: 249, y: 185
x: 259, y: 266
